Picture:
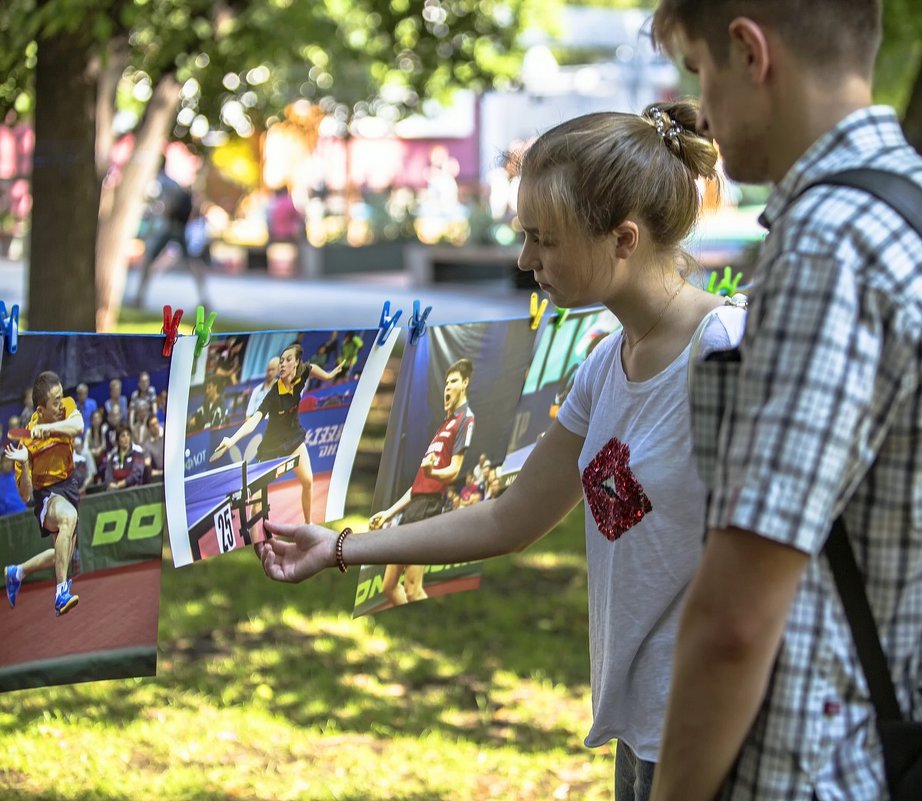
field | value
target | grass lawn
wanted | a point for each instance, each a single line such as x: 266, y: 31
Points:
x: 269, y: 691
x: 273, y: 692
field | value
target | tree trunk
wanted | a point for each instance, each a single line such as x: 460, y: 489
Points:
x: 123, y: 203
x: 912, y: 119
x: 65, y: 189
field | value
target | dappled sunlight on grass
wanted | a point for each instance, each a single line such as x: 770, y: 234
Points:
x: 271, y: 691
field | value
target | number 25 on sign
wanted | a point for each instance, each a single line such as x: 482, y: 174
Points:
x: 224, y: 529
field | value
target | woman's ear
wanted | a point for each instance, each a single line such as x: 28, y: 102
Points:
x: 626, y: 238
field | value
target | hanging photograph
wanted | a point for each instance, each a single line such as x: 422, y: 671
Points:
x: 81, y: 507
x: 454, y: 405
x: 261, y: 425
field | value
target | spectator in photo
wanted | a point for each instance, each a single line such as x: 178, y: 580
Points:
x: 153, y: 449
x: 260, y: 392
x: 85, y: 404
x: 470, y: 492
x: 125, y: 463
x: 211, y: 414
x: 10, y: 500
x: 114, y: 419
x: 482, y: 464
x: 138, y: 423
x: 144, y: 393
x: 230, y: 358
x: 96, y: 442
x: 84, y: 465
x: 161, y: 406
x: 352, y: 345
x: 116, y: 399
x: 28, y: 409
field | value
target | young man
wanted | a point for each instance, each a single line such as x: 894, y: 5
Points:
x: 44, y: 465
x: 440, y: 466
x: 768, y: 698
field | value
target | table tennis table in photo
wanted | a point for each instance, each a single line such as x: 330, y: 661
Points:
x: 213, y: 498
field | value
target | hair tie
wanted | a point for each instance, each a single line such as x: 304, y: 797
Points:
x: 668, y: 133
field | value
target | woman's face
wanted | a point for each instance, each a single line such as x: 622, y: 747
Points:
x: 288, y: 365
x: 573, y: 268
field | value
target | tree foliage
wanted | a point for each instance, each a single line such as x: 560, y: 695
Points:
x: 193, y: 67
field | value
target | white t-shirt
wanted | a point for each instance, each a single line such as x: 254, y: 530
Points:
x: 645, y: 522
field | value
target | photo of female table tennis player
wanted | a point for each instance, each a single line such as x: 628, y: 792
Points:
x: 284, y: 433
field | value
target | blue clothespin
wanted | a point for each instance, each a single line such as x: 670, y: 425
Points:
x: 418, y: 323
x: 561, y: 316
x: 171, y: 329
x: 202, y: 328
x: 9, y: 323
x: 536, y: 311
x: 387, y: 322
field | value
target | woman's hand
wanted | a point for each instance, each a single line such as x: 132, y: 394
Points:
x: 221, y: 449
x: 296, y: 552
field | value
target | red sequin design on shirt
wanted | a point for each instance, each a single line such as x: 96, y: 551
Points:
x: 615, y: 496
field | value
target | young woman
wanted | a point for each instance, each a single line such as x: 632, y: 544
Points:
x: 605, y: 201
x: 284, y: 435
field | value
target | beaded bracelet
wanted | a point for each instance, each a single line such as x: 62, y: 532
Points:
x: 343, y: 567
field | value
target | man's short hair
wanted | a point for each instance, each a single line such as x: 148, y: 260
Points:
x: 464, y: 367
x: 42, y: 387
x: 123, y: 427
x: 821, y: 33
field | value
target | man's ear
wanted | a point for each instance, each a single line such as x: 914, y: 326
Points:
x: 626, y: 237
x: 750, y: 45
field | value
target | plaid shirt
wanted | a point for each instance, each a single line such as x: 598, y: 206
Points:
x: 826, y: 419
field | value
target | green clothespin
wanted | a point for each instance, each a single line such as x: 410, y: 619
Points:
x: 202, y: 328
x: 560, y: 318
x: 727, y: 285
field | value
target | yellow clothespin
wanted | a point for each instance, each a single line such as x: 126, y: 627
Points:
x: 535, y: 311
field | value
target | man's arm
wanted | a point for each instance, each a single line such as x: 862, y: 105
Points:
x: 380, y: 518
x: 730, y: 631
x: 70, y: 426
x: 448, y: 473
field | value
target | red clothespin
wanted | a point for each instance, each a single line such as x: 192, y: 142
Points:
x: 170, y: 329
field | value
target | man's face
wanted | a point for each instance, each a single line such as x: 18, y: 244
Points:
x: 731, y: 108
x: 455, y: 390
x: 272, y: 370
x: 81, y: 393
x: 211, y: 392
x: 115, y: 389
x: 124, y: 440
x: 53, y: 409
x: 153, y: 426
x: 143, y: 381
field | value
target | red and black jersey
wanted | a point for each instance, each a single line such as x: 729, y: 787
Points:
x: 453, y: 437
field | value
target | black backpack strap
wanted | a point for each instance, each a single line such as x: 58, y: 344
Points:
x: 864, y: 630
x: 898, y: 191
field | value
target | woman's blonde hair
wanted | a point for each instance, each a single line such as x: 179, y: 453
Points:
x: 594, y: 171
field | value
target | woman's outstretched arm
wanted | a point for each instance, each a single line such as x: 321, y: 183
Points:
x: 547, y: 488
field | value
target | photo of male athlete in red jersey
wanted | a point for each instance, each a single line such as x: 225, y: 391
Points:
x: 44, y: 465
x: 439, y: 468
